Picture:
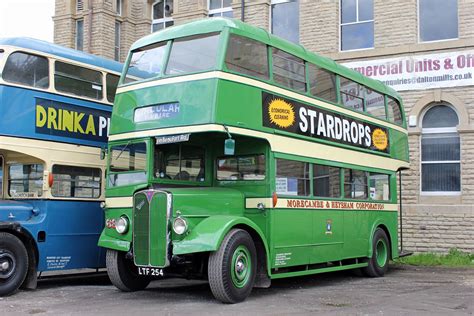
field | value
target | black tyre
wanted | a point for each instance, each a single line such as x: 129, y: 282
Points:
x: 13, y: 263
x: 123, y: 273
x: 378, y: 264
x: 232, y: 268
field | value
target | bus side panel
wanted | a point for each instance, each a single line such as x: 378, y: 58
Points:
x: 291, y: 237
x: 72, y: 231
x: 328, y: 235
x: 21, y: 117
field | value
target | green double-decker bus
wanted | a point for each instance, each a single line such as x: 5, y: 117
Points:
x: 239, y: 157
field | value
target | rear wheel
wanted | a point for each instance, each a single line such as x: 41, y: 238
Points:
x: 13, y: 263
x: 123, y: 273
x: 378, y: 264
x: 232, y: 267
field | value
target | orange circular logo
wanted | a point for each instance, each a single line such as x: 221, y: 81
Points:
x: 380, y: 139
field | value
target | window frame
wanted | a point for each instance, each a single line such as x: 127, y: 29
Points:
x: 77, y: 38
x: 164, y: 20
x: 103, y: 97
x: 270, y: 19
x: 70, y: 181
x: 420, y: 41
x: 119, y: 7
x: 220, y: 11
x: 439, y: 130
x: 353, y: 23
x: 49, y: 61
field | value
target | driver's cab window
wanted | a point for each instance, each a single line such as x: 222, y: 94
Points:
x: 179, y: 162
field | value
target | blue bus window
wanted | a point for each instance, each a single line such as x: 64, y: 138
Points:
x: 78, y: 80
x: 25, y: 180
x: 112, y: 82
x: 27, y: 69
x: 73, y: 181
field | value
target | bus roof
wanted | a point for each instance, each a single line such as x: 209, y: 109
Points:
x: 262, y: 35
x: 57, y: 50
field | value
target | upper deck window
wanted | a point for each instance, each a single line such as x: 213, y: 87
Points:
x: 146, y: 62
x: 375, y: 103
x: 322, y: 83
x: 112, y: 82
x: 247, y: 56
x: 394, y: 111
x: 288, y: 70
x: 193, y: 54
x: 352, y: 94
x: 78, y: 80
x: 27, y: 69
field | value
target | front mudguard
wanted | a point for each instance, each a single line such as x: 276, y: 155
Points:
x: 106, y: 241
x: 209, y: 233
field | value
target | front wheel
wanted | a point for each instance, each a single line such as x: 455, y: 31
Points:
x: 378, y: 264
x: 13, y: 263
x: 123, y: 273
x: 232, y: 268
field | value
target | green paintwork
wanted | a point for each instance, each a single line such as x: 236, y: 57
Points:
x: 291, y: 237
x: 381, y: 253
x: 208, y: 234
x: 241, y: 266
x: 150, y: 229
x: 113, y: 243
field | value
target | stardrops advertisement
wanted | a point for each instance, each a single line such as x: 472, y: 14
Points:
x: 453, y: 69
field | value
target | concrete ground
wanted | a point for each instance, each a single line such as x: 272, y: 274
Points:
x: 404, y: 290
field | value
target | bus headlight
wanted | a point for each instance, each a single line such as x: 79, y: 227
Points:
x: 180, y: 226
x: 121, y: 225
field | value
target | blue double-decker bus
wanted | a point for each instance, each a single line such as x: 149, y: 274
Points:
x: 55, y: 106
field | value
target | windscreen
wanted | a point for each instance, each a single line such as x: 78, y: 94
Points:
x: 127, y: 164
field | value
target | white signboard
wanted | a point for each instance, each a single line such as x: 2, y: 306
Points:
x: 453, y: 69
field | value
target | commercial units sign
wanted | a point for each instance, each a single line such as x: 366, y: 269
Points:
x: 418, y: 72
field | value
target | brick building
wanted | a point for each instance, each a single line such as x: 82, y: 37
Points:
x: 422, y: 48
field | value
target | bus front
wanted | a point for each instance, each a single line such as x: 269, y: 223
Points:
x: 177, y: 175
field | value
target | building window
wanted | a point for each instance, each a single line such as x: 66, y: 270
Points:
x: 79, y: 5
x: 220, y: 8
x: 440, y: 151
x: 438, y: 19
x: 80, y: 34
x: 285, y: 19
x: 162, y: 11
x: 118, y: 27
x: 357, y: 24
x: 119, y: 6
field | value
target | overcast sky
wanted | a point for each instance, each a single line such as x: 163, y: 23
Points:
x: 30, y: 18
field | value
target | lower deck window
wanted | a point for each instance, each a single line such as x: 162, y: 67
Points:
x: 355, y: 184
x: 241, y: 168
x: 25, y: 180
x: 79, y: 182
x: 379, y: 185
x: 292, y: 177
x: 326, y: 181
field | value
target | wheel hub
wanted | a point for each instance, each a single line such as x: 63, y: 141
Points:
x: 7, y: 265
x: 240, y: 265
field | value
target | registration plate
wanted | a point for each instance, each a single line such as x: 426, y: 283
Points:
x: 150, y: 271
